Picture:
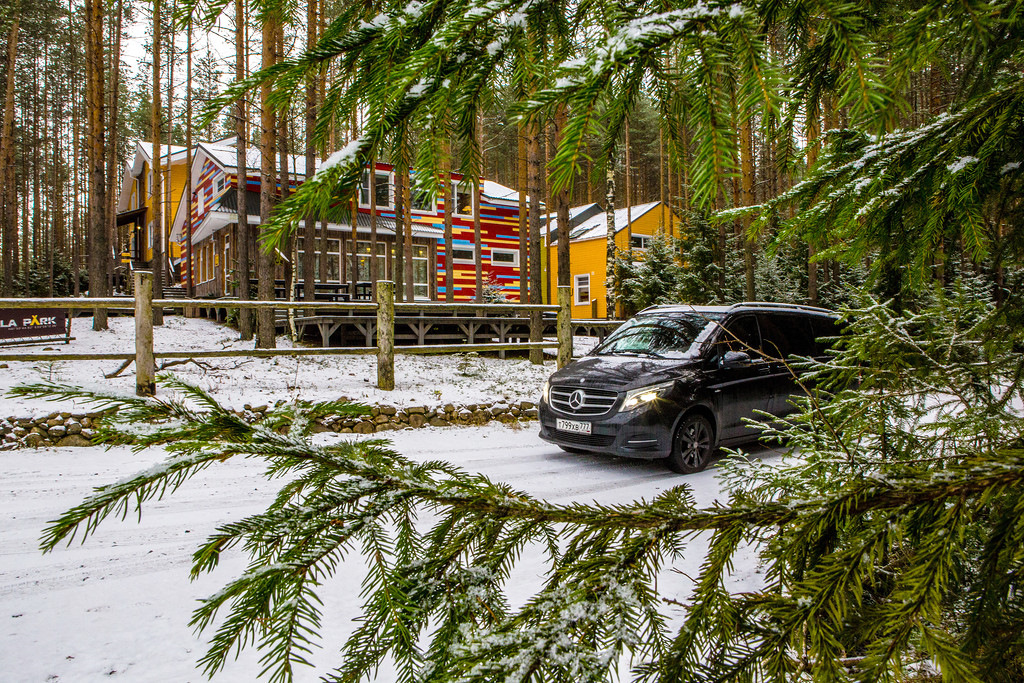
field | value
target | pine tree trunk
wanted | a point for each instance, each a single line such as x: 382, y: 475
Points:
x: 813, y: 143
x: 536, y: 189
x: 97, y: 185
x: 186, y: 228
x: 8, y: 192
x: 562, y: 210
x: 747, y: 181
x: 611, y: 272
x: 309, y: 231
x: 264, y: 257
x: 478, y: 139
x: 407, y: 219
x: 446, y: 176
x: 115, y: 88
x: 241, y: 240
x: 157, y: 189
x: 524, y: 234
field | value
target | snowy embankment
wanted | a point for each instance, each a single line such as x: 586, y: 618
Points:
x: 119, y: 605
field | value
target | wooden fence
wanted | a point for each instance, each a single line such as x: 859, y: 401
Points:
x: 145, y: 357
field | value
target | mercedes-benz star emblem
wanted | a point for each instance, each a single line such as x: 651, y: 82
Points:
x: 576, y: 399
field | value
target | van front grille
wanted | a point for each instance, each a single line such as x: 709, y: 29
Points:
x: 581, y: 402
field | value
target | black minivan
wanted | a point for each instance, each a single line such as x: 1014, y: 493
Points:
x: 677, y: 382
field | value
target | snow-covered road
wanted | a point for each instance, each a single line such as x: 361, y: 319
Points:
x: 119, y: 605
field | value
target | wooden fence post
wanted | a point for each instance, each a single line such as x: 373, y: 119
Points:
x: 385, y: 335
x: 145, y: 364
x: 564, y: 325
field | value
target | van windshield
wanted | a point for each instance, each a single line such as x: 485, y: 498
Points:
x: 676, y: 336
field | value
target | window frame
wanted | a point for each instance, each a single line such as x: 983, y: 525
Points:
x: 364, y: 186
x: 577, y: 288
x: 457, y: 259
x: 514, y: 263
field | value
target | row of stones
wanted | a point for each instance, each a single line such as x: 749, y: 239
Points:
x: 55, y: 429
x: 77, y: 429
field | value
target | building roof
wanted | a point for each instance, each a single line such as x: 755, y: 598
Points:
x: 586, y: 223
x: 225, y: 154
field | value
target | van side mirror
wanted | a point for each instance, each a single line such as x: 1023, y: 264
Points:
x: 735, y: 359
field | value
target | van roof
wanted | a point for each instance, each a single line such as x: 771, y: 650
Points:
x: 743, y: 305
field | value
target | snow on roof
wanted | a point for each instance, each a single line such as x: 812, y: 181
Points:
x: 175, y: 152
x: 586, y: 210
x: 498, y: 191
x: 597, y: 225
x: 227, y: 156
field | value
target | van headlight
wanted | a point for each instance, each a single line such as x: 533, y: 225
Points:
x: 644, y: 395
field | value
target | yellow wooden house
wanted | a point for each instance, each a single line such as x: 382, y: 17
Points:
x: 135, y: 219
x: 588, y: 249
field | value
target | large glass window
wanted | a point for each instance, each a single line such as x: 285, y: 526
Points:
x: 333, y: 261
x: 463, y: 254
x: 382, y: 189
x: 364, y: 260
x: 464, y: 197
x: 421, y: 271
x: 423, y: 200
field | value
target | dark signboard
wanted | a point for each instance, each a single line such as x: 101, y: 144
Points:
x: 20, y: 323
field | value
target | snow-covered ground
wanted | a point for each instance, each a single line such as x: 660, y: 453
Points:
x: 419, y: 380
x: 119, y: 605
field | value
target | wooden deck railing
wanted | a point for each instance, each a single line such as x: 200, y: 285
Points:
x: 384, y: 309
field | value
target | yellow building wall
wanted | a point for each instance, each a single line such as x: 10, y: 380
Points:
x: 590, y: 257
x: 174, y: 180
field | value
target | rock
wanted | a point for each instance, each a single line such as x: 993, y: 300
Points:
x: 33, y: 440
x: 388, y: 410
x: 74, y: 428
x: 363, y: 428
x: 38, y: 431
x: 56, y: 432
x: 345, y: 430
x: 526, y: 405
x: 438, y: 422
x: 417, y: 420
x: 260, y: 409
x: 317, y: 428
x: 65, y: 416
x: 4, y: 366
x: 380, y: 419
x: 375, y: 411
x: 481, y: 416
x: 55, y: 422
x: 386, y: 427
x: 532, y: 413
x: 449, y: 408
x: 20, y: 432
x: 497, y: 410
x: 420, y: 410
x: 76, y: 440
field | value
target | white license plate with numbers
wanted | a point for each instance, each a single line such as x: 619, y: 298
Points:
x: 574, y: 426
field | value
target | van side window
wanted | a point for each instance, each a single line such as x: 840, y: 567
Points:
x: 740, y: 334
x: 823, y: 327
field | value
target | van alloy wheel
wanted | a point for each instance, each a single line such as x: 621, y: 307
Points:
x: 692, y: 445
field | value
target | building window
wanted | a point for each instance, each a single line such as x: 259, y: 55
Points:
x: 504, y: 257
x: 463, y: 197
x: 581, y: 290
x: 420, y: 271
x: 382, y: 189
x: 639, y: 241
x: 364, y: 260
x: 220, y: 184
x: 333, y: 261
x: 463, y: 255
x: 423, y: 200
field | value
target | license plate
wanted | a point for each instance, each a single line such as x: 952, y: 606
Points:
x: 574, y: 426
